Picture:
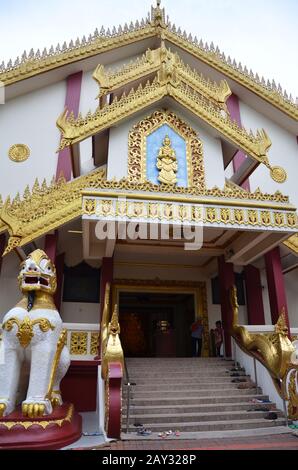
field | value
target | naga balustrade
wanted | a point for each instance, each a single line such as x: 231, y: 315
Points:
x: 112, y: 367
x: 272, y: 349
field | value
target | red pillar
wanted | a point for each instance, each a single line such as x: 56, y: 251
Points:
x: 60, y: 273
x: 239, y: 158
x: 254, y: 296
x: 226, y: 281
x: 276, y: 285
x: 72, y: 102
x: 50, y: 245
x: 2, y: 248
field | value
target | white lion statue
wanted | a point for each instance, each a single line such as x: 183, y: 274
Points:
x: 34, y: 341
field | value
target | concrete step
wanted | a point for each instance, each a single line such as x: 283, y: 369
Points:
x: 148, y: 419
x: 183, y: 377
x: 201, y: 408
x: 199, y: 392
x: 194, y: 400
x: 193, y: 395
x: 185, y: 384
x: 211, y: 425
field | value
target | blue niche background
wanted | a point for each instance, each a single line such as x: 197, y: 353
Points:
x: 154, y: 142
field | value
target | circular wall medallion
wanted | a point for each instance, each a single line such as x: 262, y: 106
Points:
x: 19, y: 152
x: 278, y: 174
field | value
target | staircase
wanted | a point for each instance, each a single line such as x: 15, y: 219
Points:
x: 194, y: 395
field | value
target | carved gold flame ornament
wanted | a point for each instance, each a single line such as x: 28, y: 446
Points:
x: 25, y: 328
x: 167, y: 163
x: 19, y: 152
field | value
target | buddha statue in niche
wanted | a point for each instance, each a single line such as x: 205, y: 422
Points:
x: 167, y: 163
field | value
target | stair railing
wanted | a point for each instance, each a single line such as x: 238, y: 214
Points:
x: 112, y: 367
x: 275, y: 352
x: 128, y: 384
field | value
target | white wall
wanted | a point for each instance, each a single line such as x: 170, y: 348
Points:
x: 89, y: 92
x: 291, y: 284
x: 283, y: 152
x: 30, y: 119
x: 212, y: 151
x: 263, y: 377
x: 79, y: 312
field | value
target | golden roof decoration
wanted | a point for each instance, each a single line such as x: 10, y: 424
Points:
x: 166, y: 83
x: 38, y: 62
x: 292, y: 243
x: 47, y: 207
x: 161, y: 59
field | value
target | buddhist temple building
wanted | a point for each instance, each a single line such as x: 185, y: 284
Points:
x: 160, y: 177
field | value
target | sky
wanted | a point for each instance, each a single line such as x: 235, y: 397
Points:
x: 262, y: 34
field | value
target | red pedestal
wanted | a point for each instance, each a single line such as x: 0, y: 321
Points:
x: 79, y: 386
x: 54, y: 431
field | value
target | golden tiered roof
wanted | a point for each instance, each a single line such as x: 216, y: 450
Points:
x: 155, y: 25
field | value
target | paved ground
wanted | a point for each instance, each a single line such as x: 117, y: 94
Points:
x: 275, y: 442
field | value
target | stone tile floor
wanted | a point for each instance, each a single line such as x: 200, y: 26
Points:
x: 272, y: 442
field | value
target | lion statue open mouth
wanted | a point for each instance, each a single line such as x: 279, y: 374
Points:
x: 33, y: 335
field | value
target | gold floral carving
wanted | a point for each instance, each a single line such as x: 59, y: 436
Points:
x: 45, y: 208
x: 217, y: 60
x: 292, y: 241
x: 78, y: 343
x: 173, y: 208
x: 35, y: 64
x: 43, y: 423
x: 25, y: 328
x: 160, y: 60
x: 94, y: 344
x: 137, y: 149
x: 19, y: 152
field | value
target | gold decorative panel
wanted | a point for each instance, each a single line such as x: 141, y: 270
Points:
x: 94, y: 343
x: 137, y: 147
x: 78, y: 343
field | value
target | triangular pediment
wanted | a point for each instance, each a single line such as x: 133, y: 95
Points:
x: 154, y: 26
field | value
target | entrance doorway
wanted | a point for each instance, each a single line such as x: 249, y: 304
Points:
x: 156, y: 324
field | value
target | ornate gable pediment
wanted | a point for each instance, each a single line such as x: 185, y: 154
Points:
x: 35, y: 63
x: 167, y: 83
x: 146, y: 137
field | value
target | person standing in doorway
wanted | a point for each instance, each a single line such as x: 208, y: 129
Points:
x: 197, y: 330
x: 218, y: 337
